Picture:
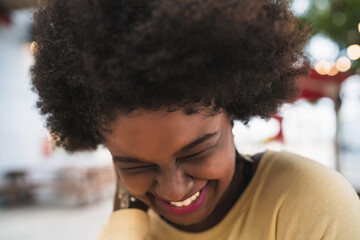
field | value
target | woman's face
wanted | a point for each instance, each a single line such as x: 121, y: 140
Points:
x: 179, y: 165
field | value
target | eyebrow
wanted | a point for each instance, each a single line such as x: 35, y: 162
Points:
x: 187, y: 147
x: 197, y: 142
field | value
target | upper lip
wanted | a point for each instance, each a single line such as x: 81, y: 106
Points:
x: 186, y: 197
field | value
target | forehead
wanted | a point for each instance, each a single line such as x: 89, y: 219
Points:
x: 145, y: 133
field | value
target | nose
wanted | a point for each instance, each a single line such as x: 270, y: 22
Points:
x: 173, y: 185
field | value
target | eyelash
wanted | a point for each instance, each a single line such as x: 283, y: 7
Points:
x: 139, y: 168
x: 193, y: 155
x: 178, y: 160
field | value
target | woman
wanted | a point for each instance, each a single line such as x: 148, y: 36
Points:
x: 159, y: 83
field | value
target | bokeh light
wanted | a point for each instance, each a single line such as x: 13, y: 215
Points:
x: 353, y: 52
x: 32, y: 47
x: 322, y: 47
x: 322, y: 67
x: 343, y: 64
x: 300, y: 7
x: 333, y: 70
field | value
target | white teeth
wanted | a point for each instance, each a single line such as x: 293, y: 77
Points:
x: 178, y: 204
x: 192, y: 198
x: 186, y: 202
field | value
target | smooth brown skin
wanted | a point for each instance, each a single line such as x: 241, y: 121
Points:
x: 162, y: 168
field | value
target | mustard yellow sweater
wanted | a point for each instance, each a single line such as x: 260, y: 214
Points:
x: 289, y: 198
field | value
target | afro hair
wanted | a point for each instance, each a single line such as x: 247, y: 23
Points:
x: 97, y: 59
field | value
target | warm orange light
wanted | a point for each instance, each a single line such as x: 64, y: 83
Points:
x: 322, y: 67
x: 333, y: 70
x: 359, y: 26
x: 50, y: 138
x: 32, y: 47
x: 343, y: 64
x: 353, y: 52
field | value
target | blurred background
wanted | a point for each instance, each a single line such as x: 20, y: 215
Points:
x: 47, y: 193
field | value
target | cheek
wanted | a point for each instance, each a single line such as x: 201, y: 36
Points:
x: 223, y: 165
x: 219, y: 166
x: 137, y: 184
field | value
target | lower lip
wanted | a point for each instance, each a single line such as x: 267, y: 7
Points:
x: 187, y: 209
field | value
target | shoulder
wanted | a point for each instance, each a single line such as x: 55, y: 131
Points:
x: 126, y: 224
x: 304, y: 177
x: 299, y: 170
x: 311, y: 197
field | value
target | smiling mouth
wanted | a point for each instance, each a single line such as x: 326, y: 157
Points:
x: 188, y: 205
x: 187, y: 201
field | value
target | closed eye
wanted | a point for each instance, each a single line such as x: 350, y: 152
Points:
x: 196, y: 154
x: 190, y: 156
x: 138, y: 167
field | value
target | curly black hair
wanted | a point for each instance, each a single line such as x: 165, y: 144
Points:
x: 95, y: 59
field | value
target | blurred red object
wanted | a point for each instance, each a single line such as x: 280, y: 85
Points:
x: 4, y: 19
x: 48, y: 147
x: 316, y: 86
x: 279, y: 137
